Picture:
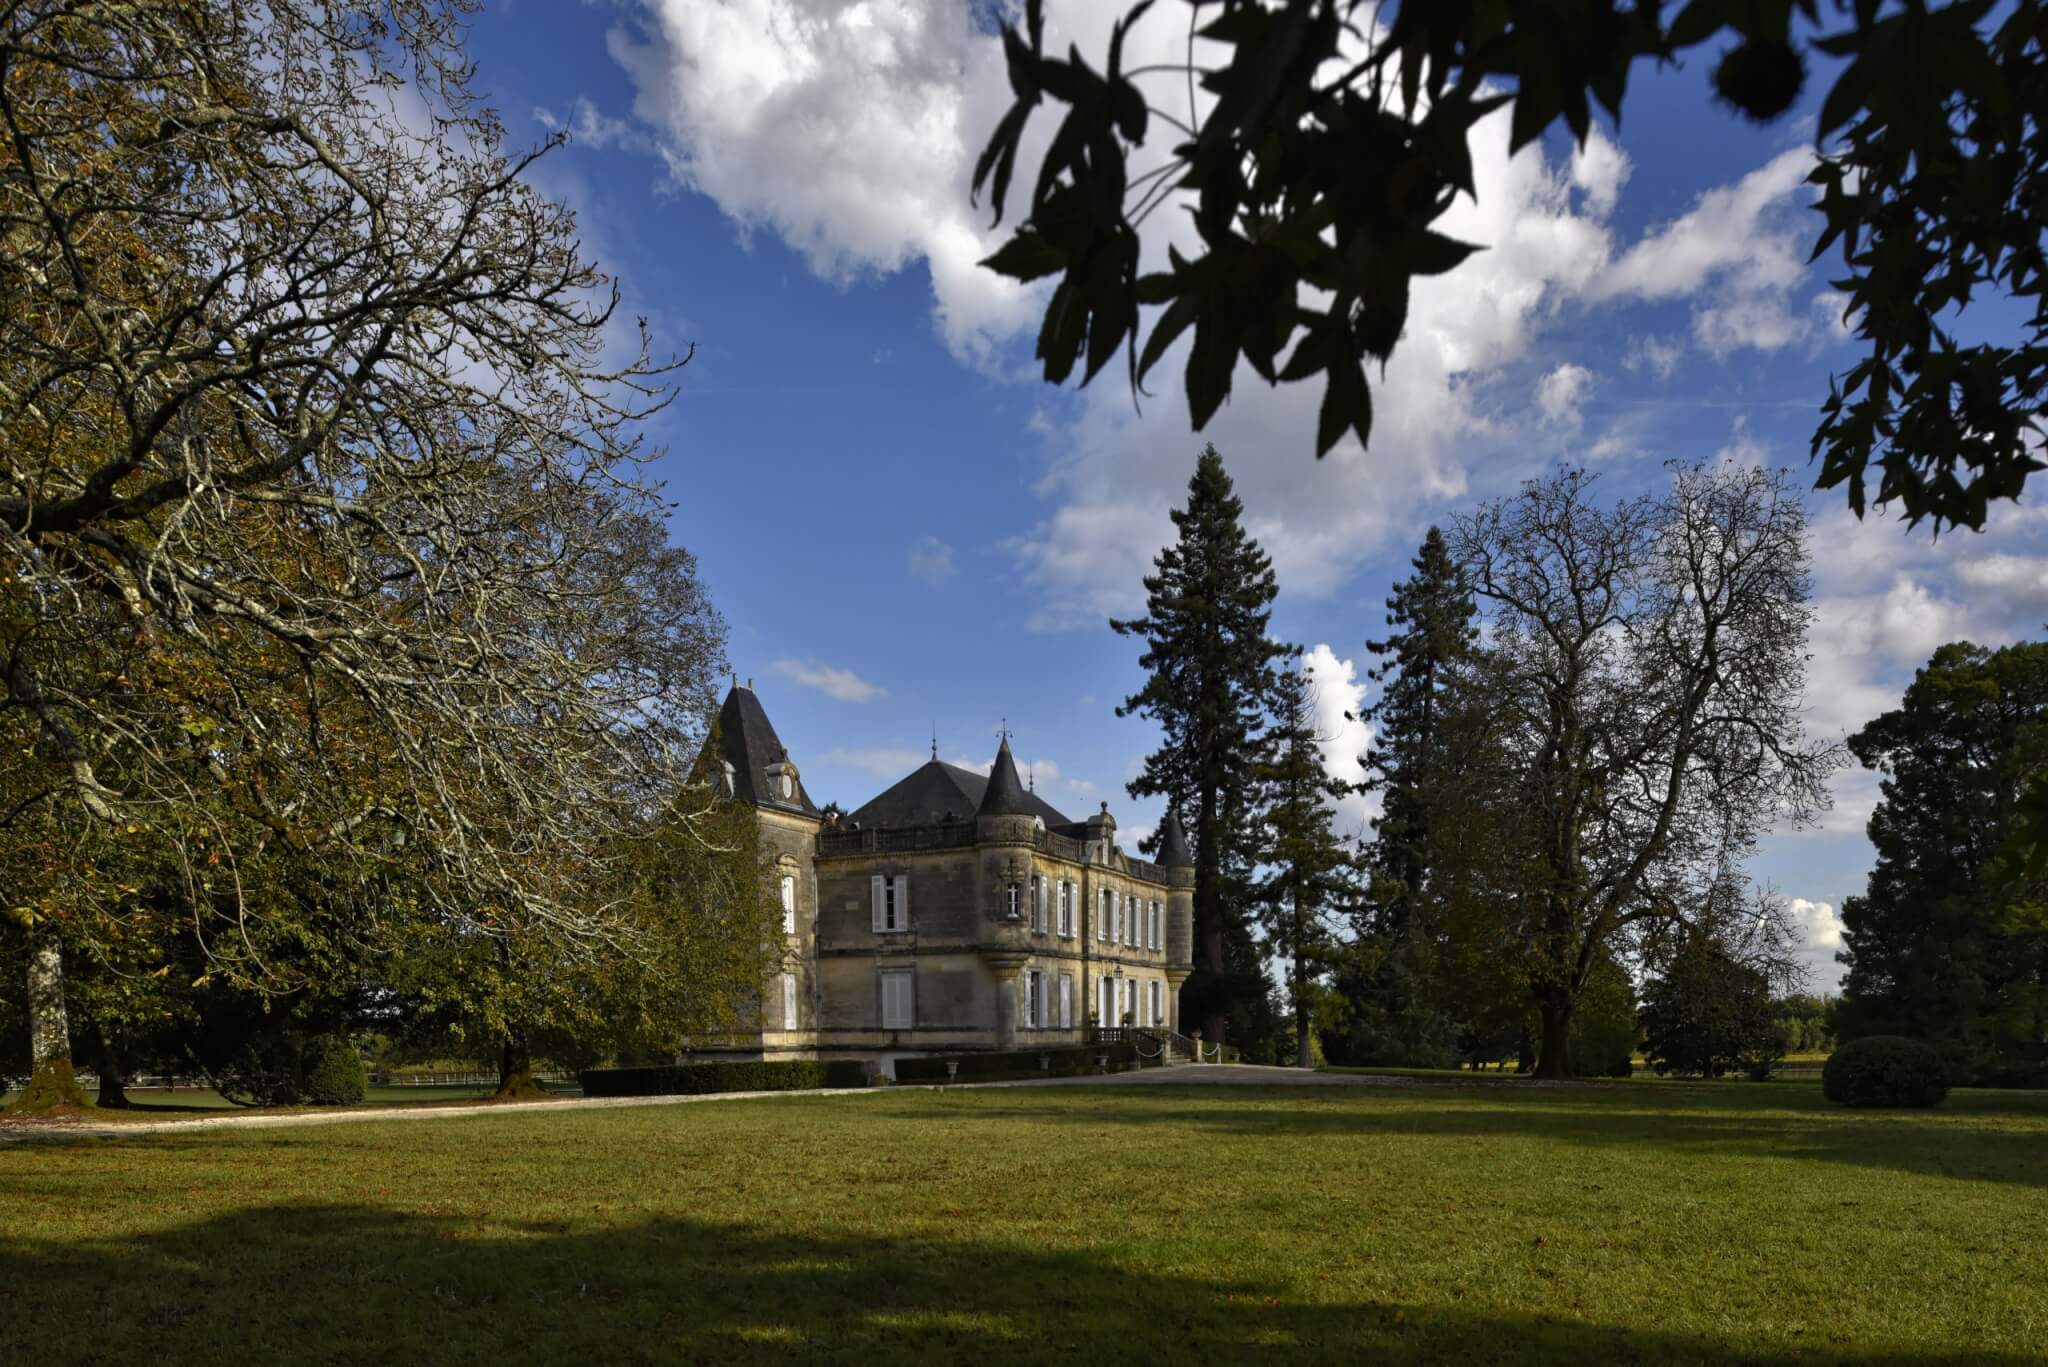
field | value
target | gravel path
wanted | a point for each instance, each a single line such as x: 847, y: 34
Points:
x: 1180, y: 1075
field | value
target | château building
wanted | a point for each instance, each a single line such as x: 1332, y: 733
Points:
x: 951, y: 912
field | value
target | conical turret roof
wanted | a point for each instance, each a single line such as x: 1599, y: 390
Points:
x: 1005, y: 795
x: 1173, y: 846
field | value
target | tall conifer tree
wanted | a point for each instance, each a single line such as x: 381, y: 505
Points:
x: 1430, y: 636
x: 1210, y: 689
x: 1431, y: 623
x: 1310, y: 875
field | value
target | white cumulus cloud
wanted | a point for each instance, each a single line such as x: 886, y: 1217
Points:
x: 843, y: 684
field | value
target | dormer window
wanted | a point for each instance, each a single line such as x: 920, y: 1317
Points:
x: 729, y: 778
x: 782, y: 781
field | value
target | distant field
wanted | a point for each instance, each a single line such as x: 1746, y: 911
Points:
x: 1665, y: 1223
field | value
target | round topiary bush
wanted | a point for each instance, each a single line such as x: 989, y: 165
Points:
x: 1885, y: 1070
x: 334, y: 1072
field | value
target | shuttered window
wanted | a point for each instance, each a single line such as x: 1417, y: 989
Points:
x: 789, y: 1001
x: 898, y: 1008
x: 788, y: 905
x: 1038, y: 901
x: 890, y: 895
x: 1066, y: 1001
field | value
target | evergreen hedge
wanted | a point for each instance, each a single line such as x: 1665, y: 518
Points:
x: 1885, y: 1070
x: 692, y: 1079
x: 1023, y: 1063
x: 332, y: 1072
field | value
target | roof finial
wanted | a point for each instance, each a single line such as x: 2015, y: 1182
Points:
x: 1031, y: 778
x: 935, y: 740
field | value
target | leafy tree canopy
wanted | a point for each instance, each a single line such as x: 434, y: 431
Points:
x: 1335, y: 134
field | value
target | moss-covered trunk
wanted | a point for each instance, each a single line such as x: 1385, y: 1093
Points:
x: 51, y: 1082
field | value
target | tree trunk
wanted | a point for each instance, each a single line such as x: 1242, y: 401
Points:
x: 515, y: 1068
x: 50, y: 1083
x: 1555, y: 1061
x: 113, y: 1080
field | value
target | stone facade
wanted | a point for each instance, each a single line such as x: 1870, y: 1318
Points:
x: 942, y: 918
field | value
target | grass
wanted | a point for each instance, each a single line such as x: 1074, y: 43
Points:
x: 1707, y: 1223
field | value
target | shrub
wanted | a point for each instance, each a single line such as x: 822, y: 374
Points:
x: 332, y: 1072
x: 693, y: 1079
x: 1885, y: 1070
x: 1022, y: 1063
x: 262, y: 1071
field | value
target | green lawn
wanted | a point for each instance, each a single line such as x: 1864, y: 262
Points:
x: 1713, y: 1223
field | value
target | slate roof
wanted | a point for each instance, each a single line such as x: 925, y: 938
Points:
x: 1173, y: 846
x: 1005, y: 795
x: 749, y: 744
x: 927, y: 793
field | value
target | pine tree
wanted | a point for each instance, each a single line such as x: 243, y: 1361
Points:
x: 1432, y: 629
x: 1431, y: 633
x: 1210, y: 689
x: 1310, y: 876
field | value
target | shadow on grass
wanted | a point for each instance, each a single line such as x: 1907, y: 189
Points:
x: 1964, y: 1138
x: 345, y: 1284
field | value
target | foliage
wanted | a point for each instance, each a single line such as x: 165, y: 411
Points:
x: 1209, y: 687
x: 1308, y: 886
x: 690, y: 1079
x: 261, y: 1070
x: 1604, y: 1026
x: 1707, y: 1012
x: 1020, y: 1063
x: 1885, y: 1070
x: 333, y: 1072
x: 1939, y: 946
x: 327, y: 536
x: 1807, y: 1023
x: 1631, y: 724
x: 1332, y: 137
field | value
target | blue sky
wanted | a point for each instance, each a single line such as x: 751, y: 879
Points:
x: 907, y: 530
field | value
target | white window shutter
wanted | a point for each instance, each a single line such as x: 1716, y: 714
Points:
x: 1039, y: 883
x: 902, y: 901
x: 875, y: 891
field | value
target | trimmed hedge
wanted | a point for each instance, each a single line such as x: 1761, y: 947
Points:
x: 1885, y: 1070
x: 692, y: 1079
x: 1023, y: 1063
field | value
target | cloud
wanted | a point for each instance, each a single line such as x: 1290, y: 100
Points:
x: 1737, y: 253
x: 845, y: 129
x: 1656, y: 355
x: 1338, y: 696
x: 1598, y: 169
x: 588, y: 127
x: 850, y: 132
x: 843, y: 684
x: 1819, y: 930
x: 1560, y: 392
x: 931, y: 560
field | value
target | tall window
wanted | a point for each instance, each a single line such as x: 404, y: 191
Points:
x: 1102, y: 922
x: 1034, y: 999
x: 1066, y: 922
x: 1158, y: 920
x: 1116, y: 936
x: 1010, y: 901
x: 898, y: 1008
x: 1038, y: 899
x: 788, y: 904
x: 891, y: 901
x: 1158, y: 1003
x: 1066, y: 1001
x: 1106, y: 1001
x: 789, y: 1001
